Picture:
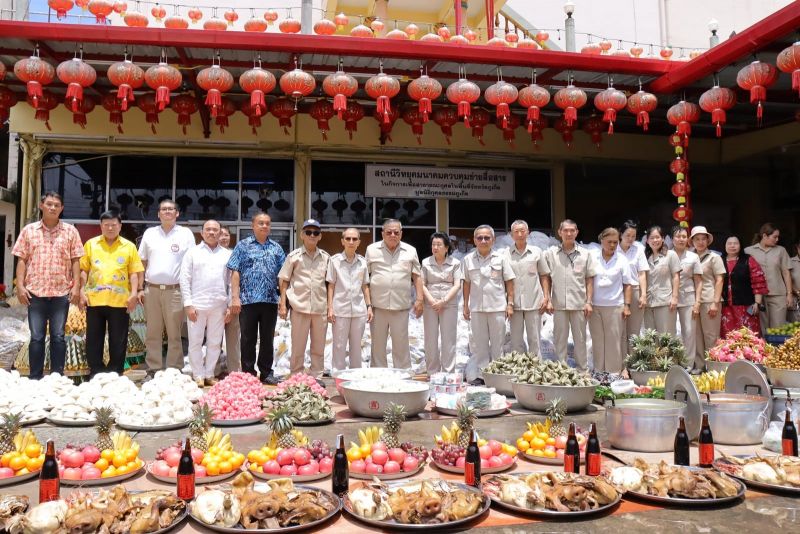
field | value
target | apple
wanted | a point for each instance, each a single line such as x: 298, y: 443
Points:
x: 72, y: 473
x: 6, y: 472
x: 173, y: 458
x: 356, y: 466
x: 308, y: 469
x: 271, y: 467
x: 461, y: 461
x: 326, y: 465
x: 285, y: 457
x: 197, y: 456
x: 505, y: 458
x: 397, y: 455
x: 200, y: 471
x: 91, y: 453
x: 288, y: 470
x: 391, y: 467
x: 410, y: 463
x: 61, y: 470
x: 160, y: 468
x: 90, y: 473
x: 484, y: 463
x: 496, y: 447
x: 72, y: 458
x: 380, y: 456
x: 302, y: 457
x: 495, y: 461
x: 379, y: 446
x: 486, y: 452
x: 173, y: 472
x: 560, y: 454
x: 169, y: 450
x: 374, y: 469
x: 561, y: 442
x: 368, y: 459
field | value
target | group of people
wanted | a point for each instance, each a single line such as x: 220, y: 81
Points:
x: 238, y: 294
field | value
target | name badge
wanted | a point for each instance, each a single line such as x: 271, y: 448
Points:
x: 495, y: 274
x: 532, y: 268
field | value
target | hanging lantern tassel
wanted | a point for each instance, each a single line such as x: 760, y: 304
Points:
x: 643, y: 120
x: 285, y: 123
x: 214, y: 101
x: 258, y: 103
x: 152, y: 118
x: 417, y: 130
x: 609, y: 116
x: 503, y: 111
x: 184, y: 120
x: 425, y: 108
x: 125, y: 95
x: 115, y: 117
x: 384, y: 108
x: 509, y: 136
x: 570, y: 115
x: 255, y: 122
x: 339, y: 104
x: 718, y: 118
x: 222, y: 122
x: 464, y: 110
x: 75, y: 95
x: 534, y: 112
x: 44, y: 116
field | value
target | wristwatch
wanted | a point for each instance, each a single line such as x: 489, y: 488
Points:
x: 762, y: 307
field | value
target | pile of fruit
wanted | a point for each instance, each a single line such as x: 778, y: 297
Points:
x: 655, y: 351
x: 20, y: 453
x: 513, y: 363
x: 710, y: 381
x: 741, y: 344
x: 555, y: 373
x: 237, y: 397
x: 451, y: 445
x: 787, y: 356
x: 547, y: 439
x: 788, y: 329
x: 302, y: 397
x: 288, y: 452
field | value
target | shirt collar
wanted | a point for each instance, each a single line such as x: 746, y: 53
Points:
x: 515, y: 250
x: 312, y: 256
x: 211, y: 250
x: 41, y: 226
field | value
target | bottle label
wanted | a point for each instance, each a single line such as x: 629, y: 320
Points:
x: 186, y: 487
x: 49, y: 490
x: 706, y: 453
x: 593, y: 464
x: 788, y: 447
x: 469, y: 473
x: 569, y: 463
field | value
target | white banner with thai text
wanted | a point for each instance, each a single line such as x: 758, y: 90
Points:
x: 411, y: 181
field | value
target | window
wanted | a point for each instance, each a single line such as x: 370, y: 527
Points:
x: 81, y: 181
x: 207, y: 188
x: 337, y: 194
x: 268, y: 185
x: 138, y: 184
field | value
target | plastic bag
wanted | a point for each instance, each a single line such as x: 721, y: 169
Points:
x: 772, y: 437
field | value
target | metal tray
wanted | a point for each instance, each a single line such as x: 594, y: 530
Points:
x: 294, y: 478
x: 236, y: 422
x: 101, y: 481
x: 719, y: 462
x: 548, y: 461
x: 482, y: 413
x: 689, y: 502
x: 484, y: 471
x: 239, y: 529
x: 204, y: 480
x: 174, y: 524
x: 391, y: 524
x: 69, y: 422
x: 34, y: 421
x: 10, y: 481
x: 384, y: 476
x: 152, y: 428
x: 314, y: 423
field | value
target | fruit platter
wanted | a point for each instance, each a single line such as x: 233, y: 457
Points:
x: 236, y: 400
x: 277, y: 505
x: 553, y: 494
x: 777, y: 335
x: 783, y: 364
x: 675, y: 485
x: 306, y: 401
x: 112, y: 510
x: 774, y: 473
x: 449, y: 454
x: 380, y: 453
x: 163, y: 403
x: 544, y: 441
x: 21, y: 454
x: 415, y: 505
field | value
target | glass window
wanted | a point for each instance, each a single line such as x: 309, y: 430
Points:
x: 471, y: 213
x: 80, y: 179
x: 280, y: 235
x: 337, y: 193
x: 532, y: 199
x: 268, y: 185
x: 409, y: 211
x: 138, y: 184
x: 207, y: 188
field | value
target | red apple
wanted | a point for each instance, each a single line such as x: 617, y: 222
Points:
x: 506, y: 459
x: 197, y: 457
x: 484, y: 463
x: 72, y: 458
x: 486, y: 452
x: 326, y: 465
x: 301, y: 457
x: 460, y: 461
x: 90, y: 473
x: 200, y: 471
x: 288, y: 470
x: 285, y: 457
x: 496, y: 447
x: 379, y: 446
x: 91, y: 453
x: 356, y: 466
x: 160, y: 468
x: 173, y: 458
x: 6, y: 472
x: 495, y: 461
x: 380, y: 456
x: 308, y: 469
x: 72, y: 473
x: 271, y: 467
x: 374, y: 469
x: 561, y: 442
x: 391, y: 467
x: 398, y: 455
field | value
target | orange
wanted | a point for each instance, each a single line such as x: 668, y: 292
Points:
x: 119, y: 460
x: 33, y: 450
x: 226, y: 455
x: 212, y: 469
x: 523, y: 444
x: 365, y: 450
x: 107, y: 454
x: 353, y: 454
x: 131, y: 454
x: 550, y: 441
x: 123, y: 469
x: 23, y: 471
x: 237, y: 460
x: 538, y: 443
x: 34, y: 464
x: 538, y: 452
x: 253, y: 467
x: 225, y: 467
x: 109, y: 472
x: 550, y: 453
x: 101, y: 464
x: 6, y: 458
x: 527, y: 436
x: 133, y: 465
x: 18, y: 462
x: 251, y: 456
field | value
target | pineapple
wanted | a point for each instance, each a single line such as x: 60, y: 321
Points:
x: 555, y: 410
x: 281, y: 425
x: 9, y: 427
x: 466, y: 416
x: 199, y: 425
x: 393, y: 419
x: 104, y: 420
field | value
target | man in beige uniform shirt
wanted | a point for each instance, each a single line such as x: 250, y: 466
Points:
x: 774, y: 261
x: 302, y: 281
x: 488, y: 301
x: 532, y: 289
x: 709, y: 319
x: 571, y: 272
x: 393, y: 269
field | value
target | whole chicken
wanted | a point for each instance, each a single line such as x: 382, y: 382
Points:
x: 45, y: 518
x: 215, y: 507
x: 370, y: 503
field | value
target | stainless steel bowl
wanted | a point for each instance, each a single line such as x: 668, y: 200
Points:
x: 779, y: 396
x: 785, y: 378
x: 501, y: 383
x: 736, y: 418
x: 366, y: 403
x: 644, y: 425
x: 369, y: 373
x: 640, y: 378
x: 536, y: 396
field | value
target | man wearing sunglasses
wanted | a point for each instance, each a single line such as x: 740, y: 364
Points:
x: 488, y: 301
x: 302, y: 282
x: 393, y: 269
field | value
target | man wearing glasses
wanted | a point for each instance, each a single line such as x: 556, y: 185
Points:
x: 161, y: 250
x: 393, y: 268
x: 302, y: 282
x: 571, y: 272
x: 488, y: 301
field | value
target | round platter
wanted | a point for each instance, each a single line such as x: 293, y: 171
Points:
x: 482, y: 413
x: 390, y: 476
x: 17, y: 479
x: 314, y: 423
x: 391, y: 524
x: 34, y: 421
x: 152, y: 428
x: 239, y: 529
x: 730, y: 469
x: 101, y: 481
x: 552, y: 513
x: 70, y: 422
x: 484, y: 471
x: 690, y: 502
x: 204, y: 480
x: 547, y: 461
x: 177, y: 521
x: 293, y: 478
x: 236, y: 422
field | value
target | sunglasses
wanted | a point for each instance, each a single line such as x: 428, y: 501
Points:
x: 483, y: 238
x: 315, y: 233
x: 351, y: 239
x: 392, y: 232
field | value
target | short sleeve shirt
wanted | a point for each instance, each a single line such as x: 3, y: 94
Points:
x: 690, y: 266
x: 772, y: 260
x: 527, y: 265
x: 258, y: 266
x: 163, y: 252
x: 390, y: 275
x: 794, y: 268
x: 659, y: 281
x: 108, y: 271
x: 440, y: 279
x: 569, y: 272
x: 305, y: 273
x: 610, y: 279
x: 487, y: 276
x: 48, y: 255
x: 636, y: 258
x: 348, y: 279
x: 712, y: 266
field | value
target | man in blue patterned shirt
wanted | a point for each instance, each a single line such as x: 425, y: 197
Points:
x: 255, y: 263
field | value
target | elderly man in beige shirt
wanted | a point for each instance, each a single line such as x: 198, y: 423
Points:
x: 393, y: 269
x: 302, y: 282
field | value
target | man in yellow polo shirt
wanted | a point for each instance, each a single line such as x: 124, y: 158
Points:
x: 110, y: 273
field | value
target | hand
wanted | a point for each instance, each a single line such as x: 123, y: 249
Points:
x: 712, y: 310
x: 23, y: 295
x: 75, y: 296
x: 673, y: 304
x: 509, y: 310
x: 438, y: 306
x: 331, y: 316
x: 140, y: 297
x: 790, y: 301
x: 228, y: 316
x: 642, y: 301
x: 466, y: 313
x: 587, y: 310
x: 236, y: 305
x: 370, y: 315
x: 282, y: 311
x: 133, y: 301
x: 84, y: 301
x: 626, y: 312
x: 696, y: 310
x: 549, y: 308
x: 191, y: 313
x: 545, y: 305
x: 418, y: 308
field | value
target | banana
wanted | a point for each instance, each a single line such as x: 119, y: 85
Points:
x: 354, y: 444
x: 362, y: 438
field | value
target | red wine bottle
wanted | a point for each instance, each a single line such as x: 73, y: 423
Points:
x: 706, y: 442
x: 472, y: 462
x: 49, y: 483
x: 593, y: 458
x: 186, y: 473
x: 789, y: 437
x: 681, y: 448
x: 572, y: 452
x: 341, y: 473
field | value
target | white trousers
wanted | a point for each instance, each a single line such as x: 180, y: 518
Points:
x: 211, y: 325
x: 526, y: 324
x: 385, y: 323
x: 563, y: 322
x: 347, y: 330
x: 660, y: 319
x: 605, y: 325
x: 689, y: 336
x: 488, y: 335
x: 440, y: 326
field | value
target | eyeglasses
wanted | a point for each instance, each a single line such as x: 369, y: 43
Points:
x: 167, y: 209
x: 315, y: 233
x: 483, y: 238
x: 351, y: 239
x: 392, y: 232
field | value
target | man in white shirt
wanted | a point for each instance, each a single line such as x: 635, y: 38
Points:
x: 162, y: 249
x: 205, y: 282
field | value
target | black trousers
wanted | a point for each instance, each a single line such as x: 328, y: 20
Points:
x: 254, y: 318
x: 99, y: 320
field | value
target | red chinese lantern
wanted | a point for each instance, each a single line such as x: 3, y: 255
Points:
x: 77, y: 74
x: 594, y: 127
x: 147, y: 103
x: 231, y: 16
x: 535, y: 128
x: 289, y: 25
x: 789, y: 62
x: 382, y: 88
x: 255, y: 25
x: 215, y: 80
x: 297, y: 83
x: 593, y: 49
x: 534, y: 97
x: 128, y: 77
x: 85, y: 106
x: 470, y: 35
x: 386, y: 127
x: 570, y: 99
x: 184, y: 106
x: 164, y: 78
x: 353, y: 114
x: 680, y: 189
x: 542, y: 37
x: 377, y: 25
x: 258, y: 82
x: 527, y: 43
x: 757, y: 77
x: 322, y: 111
x: 215, y: 24
x: 480, y: 118
x: 463, y: 93
x: 120, y: 8
x: 135, y: 19
x: 610, y: 102
x: 425, y: 90
x: 158, y: 12
x: 2, y: 71
x: 605, y: 45
x: 413, y: 117
x: 620, y: 52
x: 512, y: 38
x: 446, y: 118
x: 44, y: 103
x: 36, y: 73
x: 497, y: 42
x: 716, y: 101
x: 225, y: 110
x: 682, y: 115
x: 325, y: 27
x: 283, y: 110
x: 636, y: 50
x: 412, y: 30
x: 642, y: 104
x: 500, y: 95
x: 508, y: 130
x: 101, y: 9
x: 270, y: 16
x: 176, y: 22
x: 252, y: 119
x: 431, y: 38
x: 682, y: 214
x: 678, y: 165
x: 60, y: 7
x: 341, y: 20
x: 361, y: 31
x: 566, y: 129
x: 8, y: 100
x: 340, y: 86
x: 397, y: 35
x: 112, y: 104
x: 666, y: 52
x: 83, y: 4
x: 443, y: 32
x: 195, y: 14
x: 459, y: 40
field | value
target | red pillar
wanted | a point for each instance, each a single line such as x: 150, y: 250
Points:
x: 490, y: 19
x: 459, y: 16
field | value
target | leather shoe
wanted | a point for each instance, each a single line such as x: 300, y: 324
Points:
x: 200, y: 383
x: 271, y: 380
x: 211, y: 381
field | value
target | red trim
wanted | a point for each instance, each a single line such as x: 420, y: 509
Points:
x: 760, y: 34
x: 489, y: 18
x: 458, y: 14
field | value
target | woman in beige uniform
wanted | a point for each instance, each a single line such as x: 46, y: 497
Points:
x: 691, y: 282
x: 634, y: 252
x: 662, y: 284
x: 441, y: 281
x: 709, y: 321
x: 794, y: 269
x: 774, y: 261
